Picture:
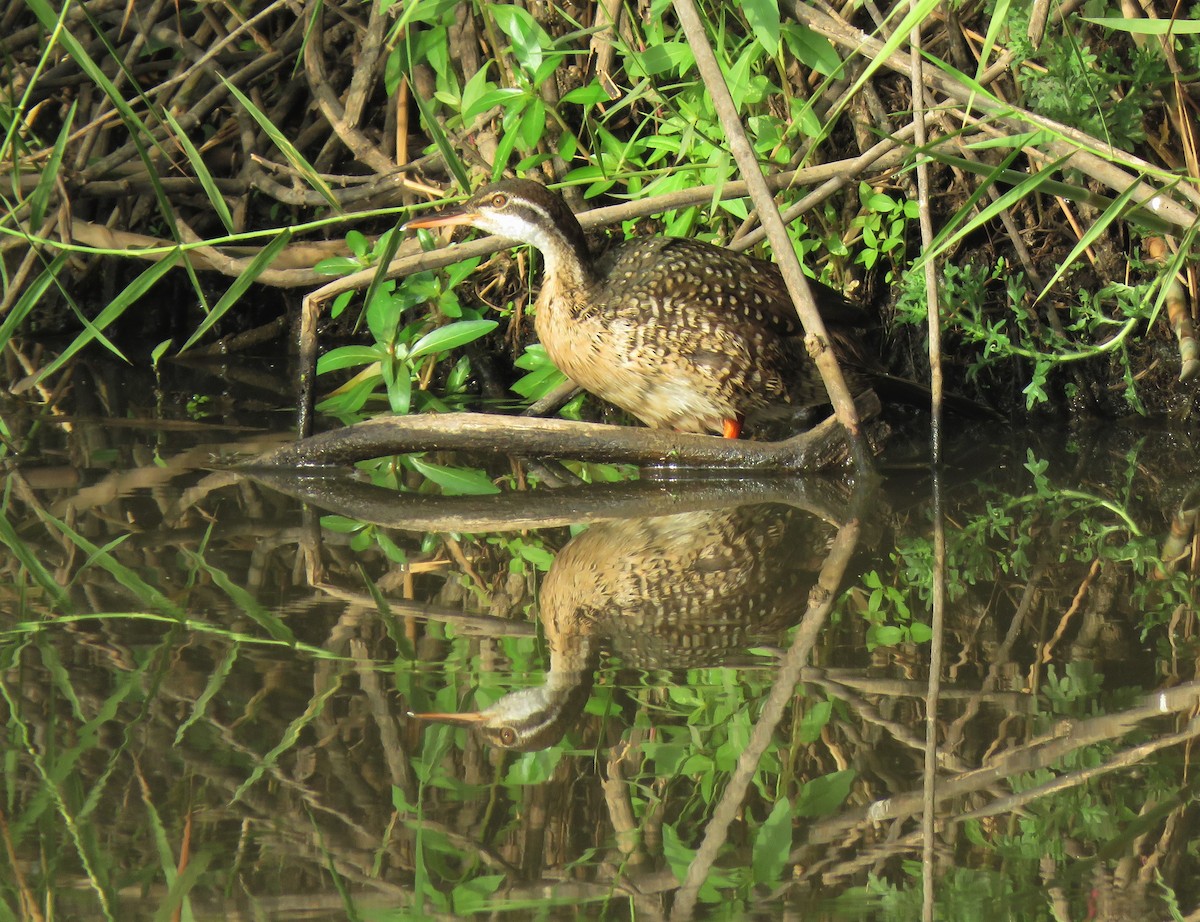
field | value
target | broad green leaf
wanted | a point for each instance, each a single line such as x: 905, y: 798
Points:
x: 814, y: 721
x: 772, y: 845
x: 337, y: 265
x: 678, y: 855
x: 669, y: 56
x: 398, y: 380
x: 763, y: 16
x: 534, y: 767
x: 348, y: 357
x: 533, y: 123
x: 455, y: 480
x: 822, y: 796
x: 589, y: 95
x: 451, y: 336
x: 920, y: 632
x: 812, y: 49
x: 529, y: 40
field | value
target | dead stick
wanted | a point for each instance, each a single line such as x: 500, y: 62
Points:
x: 820, y: 448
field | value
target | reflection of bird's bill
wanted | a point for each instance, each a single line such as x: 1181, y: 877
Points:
x: 467, y: 718
x: 445, y: 219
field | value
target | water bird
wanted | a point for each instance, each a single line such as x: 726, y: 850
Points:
x: 680, y: 333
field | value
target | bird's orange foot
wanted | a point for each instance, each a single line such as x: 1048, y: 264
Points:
x: 731, y: 428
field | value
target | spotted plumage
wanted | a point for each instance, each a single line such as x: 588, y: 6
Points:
x: 680, y: 333
x: 674, y: 592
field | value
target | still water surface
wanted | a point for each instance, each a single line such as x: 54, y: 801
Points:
x: 648, y: 710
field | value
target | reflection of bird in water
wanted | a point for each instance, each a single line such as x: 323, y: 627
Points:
x: 680, y: 591
x: 680, y: 333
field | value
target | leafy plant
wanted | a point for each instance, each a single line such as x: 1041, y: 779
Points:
x: 404, y: 354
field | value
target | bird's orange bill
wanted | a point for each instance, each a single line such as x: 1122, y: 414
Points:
x: 467, y: 718
x: 444, y: 219
x: 731, y: 428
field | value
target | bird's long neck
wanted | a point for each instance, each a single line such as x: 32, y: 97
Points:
x: 564, y: 250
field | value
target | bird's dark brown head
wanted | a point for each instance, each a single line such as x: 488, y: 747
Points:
x: 523, y: 211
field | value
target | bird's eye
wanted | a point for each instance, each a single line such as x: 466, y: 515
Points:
x: 499, y: 200
x: 508, y: 735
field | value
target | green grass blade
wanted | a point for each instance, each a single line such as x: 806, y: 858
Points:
x: 1089, y: 236
x: 1030, y: 184
x: 39, y: 199
x: 434, y: 127
x: 244, y: 601
x: 286, y: 147
x: 216, y: 682
x: 233, y: 294
x: 30, y: 298
x: 121, y: 303
x: 201, y: 170
x: 28, y: 559
x: 381, y: 268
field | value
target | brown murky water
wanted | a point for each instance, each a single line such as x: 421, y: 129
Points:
x: 670, y: 698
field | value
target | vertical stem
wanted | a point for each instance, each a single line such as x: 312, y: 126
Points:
x: 816, y: 338
x: 938, y: 589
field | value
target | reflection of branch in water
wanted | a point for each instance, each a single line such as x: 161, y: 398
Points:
x: 423, y: 513
x: 820, y: 602
x: 1040, y: 753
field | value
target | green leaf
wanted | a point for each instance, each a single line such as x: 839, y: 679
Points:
x: 534, y: 767
x: 451, y: 336
x: 348, y: 357
x: 822, y: 796
x: 678, y: 855
x: 132, y: 293
x: 31, y: 297
x: 812, y: 49
x: 384, y: 310
x: 286, y: 147
x: 669, y: 56
x: 884, y: 636
x: 919, y: 632
x: 772, y: 845
x: 529, y: 40
x: 337, y: 265
x: 200, y: 168
x: 533, y: 123
x: 244, y: 601
x: 28, y: 559
x: 399, y: 387
x: 1147, y: 26
x: 814, y: 721
x: 259, y: 264
x: 357, y: 243
x: 455, y: 480
x: 589, y: 95
x: 39, y: 198
x: 763, y: 16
